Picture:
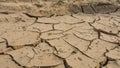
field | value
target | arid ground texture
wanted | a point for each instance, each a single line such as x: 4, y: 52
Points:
x: 59, y: 33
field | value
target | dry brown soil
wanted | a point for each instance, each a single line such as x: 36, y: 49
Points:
x: 59, y: 34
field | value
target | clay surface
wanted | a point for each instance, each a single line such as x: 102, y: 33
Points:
x: 59, y: 34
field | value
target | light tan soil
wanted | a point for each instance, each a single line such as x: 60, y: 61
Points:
x: 59, y: 34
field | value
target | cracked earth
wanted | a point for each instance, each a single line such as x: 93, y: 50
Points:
x: 84, y: 36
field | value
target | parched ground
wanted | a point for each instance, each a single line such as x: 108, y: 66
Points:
x: 59, y: 34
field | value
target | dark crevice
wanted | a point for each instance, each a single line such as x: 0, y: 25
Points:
x: 1, y: 53
x: 96, y: 30
x: 107, y: 58
x: 99, y: 34
x: 38, y: 5
x: 53, y: 26
x: 107, y: 33
x: 59, y: 15
x: 12, y: 58
x: 111, y: 59
x: 100, y: 4
x: 106, y: 62
x: 2, y: 41
x: 43, y: 40
x: 8, y: 46
x: 32, y: 16
x: 90, y: 44
x: 6, y: 13
x: 66, y: 64
x: 45, y: 23
x: 52, y: 15
x: 32, y: 45
x: 64, y: 61
x: 82, y: 9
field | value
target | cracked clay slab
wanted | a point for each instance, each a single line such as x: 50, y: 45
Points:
x: 81, y: 40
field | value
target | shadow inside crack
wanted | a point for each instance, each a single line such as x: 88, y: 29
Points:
x: 102, y: 8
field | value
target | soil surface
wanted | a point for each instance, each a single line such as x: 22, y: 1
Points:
x: 59, y: 34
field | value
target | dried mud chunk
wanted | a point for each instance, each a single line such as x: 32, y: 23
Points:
x: 52, y: 35
x: 77, y: 42
x: 48, y: 20
x: 67, y: 19
x: 44, y: 48
x: 63, y: 26
x: 23, y: 55
x: 86, y: 18
x: 44, y: 60
x: 42, y: 13
x: 85, y: 31
x: 20, y: 38
x: 6, y: 62
x: 114, y: 54
x: 12, y: 22
x: 64, y: 49
x: 79, y: 60
x: 20, y: 19
x: 110, y: 38
x: 98, y: 48
x: 40, y: 27
x: 88, y: 9
x: 5, y: 27
x: 44, y: 56
x: 107, y: 24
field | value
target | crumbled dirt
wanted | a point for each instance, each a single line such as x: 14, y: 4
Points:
x: 59, y: 34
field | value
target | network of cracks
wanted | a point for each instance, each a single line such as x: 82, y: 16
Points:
x: 90, y: 39
x: 68, y: 41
